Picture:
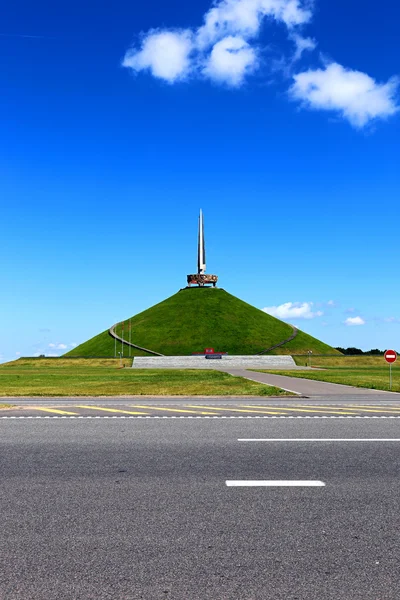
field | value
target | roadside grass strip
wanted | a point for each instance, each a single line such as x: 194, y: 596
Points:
x: 310, y: 410
x: 53, y: 410
x: 178, y: 410
x: 276, y: 412
x: 113, y: 410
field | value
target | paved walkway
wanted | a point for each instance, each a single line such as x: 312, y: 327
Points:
x: 308, y: 387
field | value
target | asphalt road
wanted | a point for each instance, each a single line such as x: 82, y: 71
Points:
x: 203, y: 408
x: 139, y: 509
x: 307, y: 387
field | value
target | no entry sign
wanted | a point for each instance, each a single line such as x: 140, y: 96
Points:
x: 390, y: 356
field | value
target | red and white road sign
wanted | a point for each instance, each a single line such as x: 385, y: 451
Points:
x: 390, y: 356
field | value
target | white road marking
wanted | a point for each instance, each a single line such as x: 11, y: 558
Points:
x: 318, y: 439
x: 273, y: 483
x: 205, y: 417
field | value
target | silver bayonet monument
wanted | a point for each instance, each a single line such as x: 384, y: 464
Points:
x: 201, y: 278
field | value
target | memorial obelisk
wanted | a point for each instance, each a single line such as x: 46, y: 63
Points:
x: 200, y: 278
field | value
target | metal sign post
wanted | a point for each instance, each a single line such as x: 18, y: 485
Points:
x: 390, y: 357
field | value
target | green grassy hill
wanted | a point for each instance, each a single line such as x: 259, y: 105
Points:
x: 197, y: 318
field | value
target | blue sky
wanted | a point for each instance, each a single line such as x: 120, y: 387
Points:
x: 119, y: 121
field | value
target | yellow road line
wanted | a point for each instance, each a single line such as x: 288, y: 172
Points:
x: 225, y: 408
x: 360, y: 408
x: 368, y: 406
x: 339, y: 409
x: 178, y: 410
x: 379, y: 410
x: 113, y: 410
x: 334, y: 412
x: 53, y: 410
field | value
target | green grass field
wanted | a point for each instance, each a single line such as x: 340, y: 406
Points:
x: 102, y: 377
x: 198, y: 318
x: 342, y: 361
x: 361, y: 371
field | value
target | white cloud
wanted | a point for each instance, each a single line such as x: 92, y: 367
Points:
x: 230, y: 60
x: 245, y: 17
x: 356, y: 96
x: 18, y: 354
x: 331, y: 303
x: 164, y: 53
x: 58, y: 346
x: 302, y: 45
x: 224, y: 49
x: 73, y: 345
x: 293, y: 310
x: 222, y: 42
x: 391, y: 320
x: 354, y: 321
x: 52, y: 355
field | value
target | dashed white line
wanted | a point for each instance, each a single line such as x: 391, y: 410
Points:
x: 318, y: 439
x: 203, y: 417
x: 273, y: 483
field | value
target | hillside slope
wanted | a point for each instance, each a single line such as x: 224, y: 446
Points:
x: 197, y: 318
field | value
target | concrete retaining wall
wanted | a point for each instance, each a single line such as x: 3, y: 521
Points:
x: 200, y: 362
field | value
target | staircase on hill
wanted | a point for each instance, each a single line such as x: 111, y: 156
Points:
x: 289, y: 339
x: 227, y: 361
x: 113, y: 334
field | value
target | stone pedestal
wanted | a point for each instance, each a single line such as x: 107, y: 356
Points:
x: 202, y: 279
